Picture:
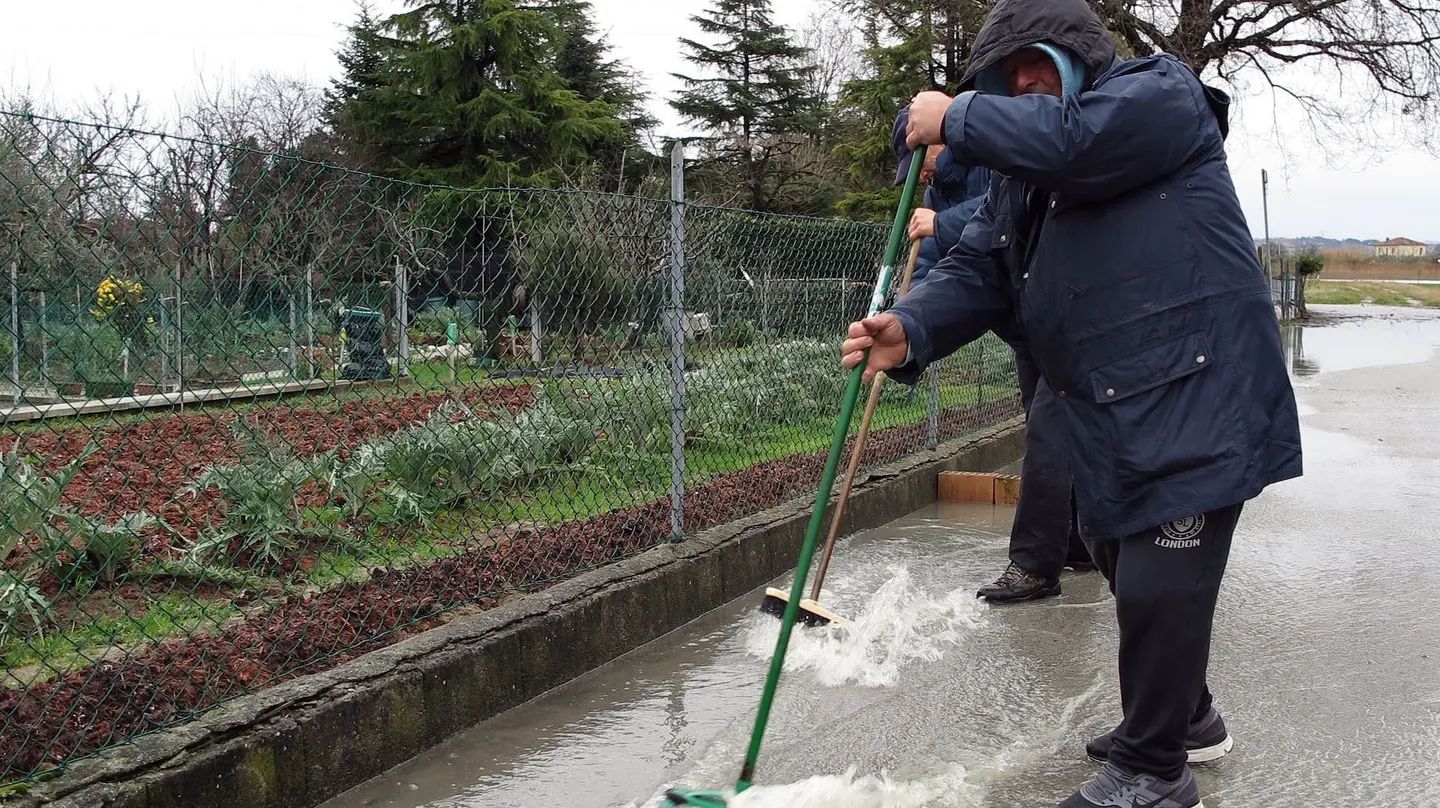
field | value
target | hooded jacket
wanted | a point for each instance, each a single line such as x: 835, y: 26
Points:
x: 1113, y: 244
x: 954, y: 194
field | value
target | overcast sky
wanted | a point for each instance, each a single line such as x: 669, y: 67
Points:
x: 157, y: 49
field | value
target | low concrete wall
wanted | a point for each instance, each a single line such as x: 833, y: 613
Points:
x: 305, y: 741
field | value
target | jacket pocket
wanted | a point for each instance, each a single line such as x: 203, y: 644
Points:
x: 1166, y: 411
x: 1149, y: 369
x: 1002, y: 233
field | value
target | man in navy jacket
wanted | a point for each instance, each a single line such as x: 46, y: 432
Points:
x: 1042, y: 538
x: 1113, y: 242
x: 952, y: 195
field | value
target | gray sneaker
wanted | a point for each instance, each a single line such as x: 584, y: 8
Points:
x: 1206, y: 740
x: 1115, y: 788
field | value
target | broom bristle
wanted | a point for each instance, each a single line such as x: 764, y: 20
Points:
x: 775, y: 602
x: 816, y: 615
x: 812, y: 614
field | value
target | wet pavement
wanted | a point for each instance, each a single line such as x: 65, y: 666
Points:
x: 1326, y: 657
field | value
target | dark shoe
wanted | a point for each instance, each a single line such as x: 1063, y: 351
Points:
x: 1081, y: 566
x: 1207, y: 740
x: 1114, y: 787
x: 1017, y: 584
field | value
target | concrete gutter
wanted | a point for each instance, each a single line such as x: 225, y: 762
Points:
x: 307, y: 740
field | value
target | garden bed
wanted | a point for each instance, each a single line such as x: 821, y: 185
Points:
x: 292, y: 538
x: 108, y: 701
x: 144, y: 465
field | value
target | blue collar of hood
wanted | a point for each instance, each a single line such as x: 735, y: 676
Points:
x: 992, y: 79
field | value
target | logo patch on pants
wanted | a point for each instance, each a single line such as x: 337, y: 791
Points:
x: 1182, y: 534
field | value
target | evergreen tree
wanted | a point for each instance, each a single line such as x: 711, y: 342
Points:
x: 871, y: 103
x: 360, y: 60
x: 584, y: 63
x: 911, y: 45
x: 756, y: 99
x: 362, y: 64
x: 468, y: 94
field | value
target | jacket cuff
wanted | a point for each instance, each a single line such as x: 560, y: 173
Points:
x: 953, y: 128
x: 915, y: 352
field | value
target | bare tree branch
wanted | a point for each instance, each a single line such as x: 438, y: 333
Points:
x: 1386, y: 53
x: 833, y: 41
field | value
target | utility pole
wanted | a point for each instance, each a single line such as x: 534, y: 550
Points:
x: 1265, y: 204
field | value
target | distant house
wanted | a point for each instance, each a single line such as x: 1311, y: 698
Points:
x: 1400, y: 248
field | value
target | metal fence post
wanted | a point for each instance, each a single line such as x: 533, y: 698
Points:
x: 537, y: 334
x: 1290, y: 296
x: 765, y: 307
x: 676, y: 322
x: 402, y: 320
x: 164, y: 382
x: 44, y: 345
x: 294, y: 357
x: 180, y: 336
x: 310, y: 321
x: 15, y: 328
x: 1289, y: 288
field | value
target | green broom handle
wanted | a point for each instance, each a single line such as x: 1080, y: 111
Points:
x: 827, y: 480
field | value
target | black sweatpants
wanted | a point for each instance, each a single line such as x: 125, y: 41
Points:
x: 1165, y: 582
x: 1043, y: 536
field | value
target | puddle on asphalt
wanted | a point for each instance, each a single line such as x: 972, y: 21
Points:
x: 1359, y: 344
x: 926, y: 785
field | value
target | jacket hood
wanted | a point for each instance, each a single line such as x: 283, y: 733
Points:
x: 993, y: 81
x: 898, y: 143
x: 1069, y: 24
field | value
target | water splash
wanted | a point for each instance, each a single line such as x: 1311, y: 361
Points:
x: 870, y: 791
x: 851, y: 790
x: 939, y: 784
x: 900, y: 624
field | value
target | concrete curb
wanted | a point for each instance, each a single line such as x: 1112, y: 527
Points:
x: 307, y: 740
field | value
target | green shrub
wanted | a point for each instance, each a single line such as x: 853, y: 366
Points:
x: 457, y: 454
x: 19, y: 598
x: 739, y: 332
x: 92, y: 348
x: 260, y: 502
x: 436, y: 322
x: 96, y: 546
x: 29, y: 506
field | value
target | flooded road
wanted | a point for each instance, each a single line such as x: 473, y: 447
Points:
x: 1326, y: 658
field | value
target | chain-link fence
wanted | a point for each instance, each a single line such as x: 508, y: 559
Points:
x: 262, y: 415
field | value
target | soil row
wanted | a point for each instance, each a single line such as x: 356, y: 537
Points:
x: 142, y: 466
